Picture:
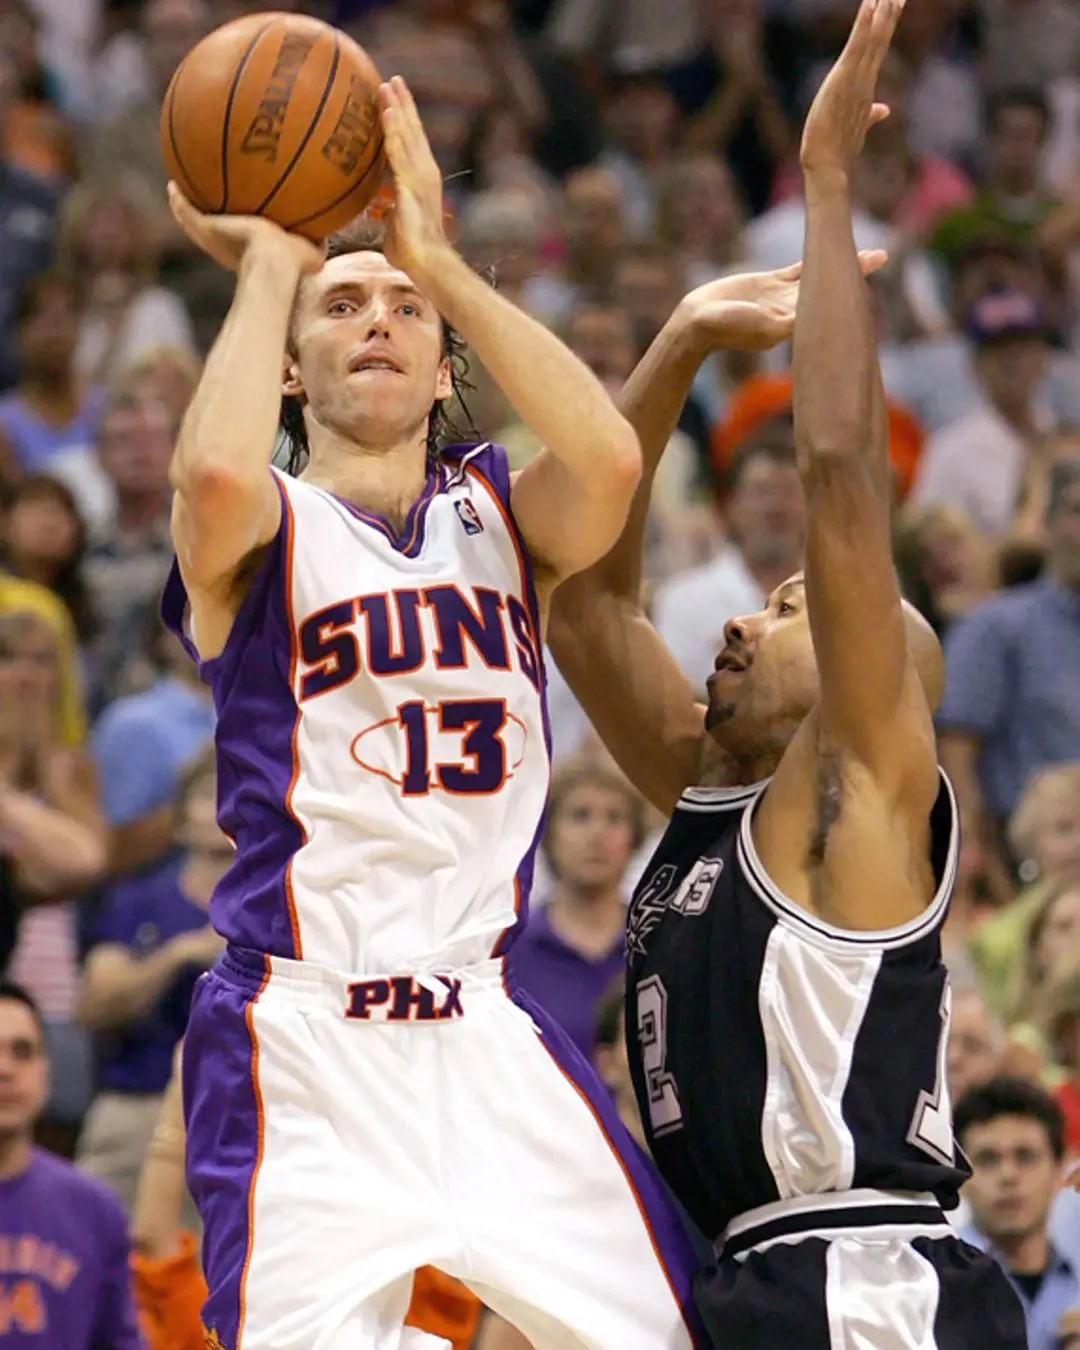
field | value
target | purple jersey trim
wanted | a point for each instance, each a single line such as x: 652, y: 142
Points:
x: 252, y: 682
x: 489, y: 464
x: 409, y: 540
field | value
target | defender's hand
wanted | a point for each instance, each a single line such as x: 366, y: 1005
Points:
x: 844, y: 110
x: 755, y: 311
x: 228, y: 239
x: 415, y: 234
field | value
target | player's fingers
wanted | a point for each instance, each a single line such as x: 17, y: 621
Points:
x: 878, y: 113
x: 403, y: 94
x: 790, y: 273
x: 419, y: 146
x: 872, y: 260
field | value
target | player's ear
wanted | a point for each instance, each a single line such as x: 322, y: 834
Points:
x: 444, y: 385
x: 291, y: 383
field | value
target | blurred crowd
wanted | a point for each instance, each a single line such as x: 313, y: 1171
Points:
x: 601, y: 159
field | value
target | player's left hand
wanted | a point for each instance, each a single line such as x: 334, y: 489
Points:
x: 844, y: 109
x: 755, y: 311
x: 414, y: 222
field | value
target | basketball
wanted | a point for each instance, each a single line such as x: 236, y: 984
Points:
x: 276, y: 115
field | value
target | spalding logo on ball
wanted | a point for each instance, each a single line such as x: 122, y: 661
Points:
x: 276, y: 115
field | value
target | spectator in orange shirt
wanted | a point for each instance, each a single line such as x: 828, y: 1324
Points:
x: 168, y: 1280
x: 762, y: 397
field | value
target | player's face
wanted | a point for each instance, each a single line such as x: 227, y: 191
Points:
x: 24, y: 1069
x: 1014, y: 1176
x: 368, y: 352
x: 972, y: 1055
x: 591, y: 837
x: 765, y: 681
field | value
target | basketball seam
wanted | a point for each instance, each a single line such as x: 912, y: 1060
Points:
x: 331, y: 75
x: 192, y: 192
x: 295, y: 224
x: 227, y: 118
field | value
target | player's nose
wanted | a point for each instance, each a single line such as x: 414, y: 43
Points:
x: 737, y: 632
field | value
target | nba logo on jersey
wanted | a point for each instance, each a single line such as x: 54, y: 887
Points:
x: 468, y: 516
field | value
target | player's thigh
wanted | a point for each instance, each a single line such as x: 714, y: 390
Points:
x: 568, y: 1219
x: 298, y: 1242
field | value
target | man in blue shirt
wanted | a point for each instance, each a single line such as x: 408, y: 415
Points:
x: 1012, y: 697
x: 142, y: 747
x: 1014, y: 1136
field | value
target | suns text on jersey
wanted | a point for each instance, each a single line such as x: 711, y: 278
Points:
x: 398, y: 632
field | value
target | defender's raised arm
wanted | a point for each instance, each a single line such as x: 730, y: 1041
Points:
x: 872, y: 708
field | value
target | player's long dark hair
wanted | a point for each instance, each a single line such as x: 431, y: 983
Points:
x: 444, y: 424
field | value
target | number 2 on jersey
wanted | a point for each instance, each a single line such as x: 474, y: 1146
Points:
x: 665, y: 1113
x: 482, y: 767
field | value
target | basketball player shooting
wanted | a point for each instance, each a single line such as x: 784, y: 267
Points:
x: 787, y: 1004
x: 363, y: 1094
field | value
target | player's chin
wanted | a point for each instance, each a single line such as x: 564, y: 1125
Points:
x: 718, y: 714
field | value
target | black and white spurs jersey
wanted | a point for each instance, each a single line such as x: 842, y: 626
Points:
x: 774, y: 1055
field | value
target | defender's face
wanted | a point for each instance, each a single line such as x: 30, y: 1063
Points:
x: 24, y: 1069
x: 1014, y: 1176
x: 765, y: 681
x: 369, y: 359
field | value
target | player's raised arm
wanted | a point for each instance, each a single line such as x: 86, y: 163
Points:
x: 571, y: 501
x: 873, y: 711
x: 614, y: 660
x: 226, y: 504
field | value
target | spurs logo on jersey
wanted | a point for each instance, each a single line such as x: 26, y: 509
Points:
x: 658, y: 895
x: 382, y: 731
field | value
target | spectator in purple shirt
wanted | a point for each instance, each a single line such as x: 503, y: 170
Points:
x: 575, y: 943
x: 64, y: 1277
x: 151, y: 942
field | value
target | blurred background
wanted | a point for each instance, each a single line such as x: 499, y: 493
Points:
x: 602, y: 158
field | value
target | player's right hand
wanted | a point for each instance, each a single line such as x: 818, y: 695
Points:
x: 754, y: 311
x: 228, y: 239
x: 844, y: 109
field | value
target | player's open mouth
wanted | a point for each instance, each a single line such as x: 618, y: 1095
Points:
x: 729, y: 660
x: 362, y: 364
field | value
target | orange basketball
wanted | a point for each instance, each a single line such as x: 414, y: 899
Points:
x: 276, y: 115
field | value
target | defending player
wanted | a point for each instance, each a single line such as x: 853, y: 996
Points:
x: 787, y: 1004
x: 362, y: 1096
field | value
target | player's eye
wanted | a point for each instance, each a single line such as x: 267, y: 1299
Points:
x: 340, y: 307
x: 785, y: 607
x: 409, y: 309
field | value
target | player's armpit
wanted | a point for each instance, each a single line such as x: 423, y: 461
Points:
x: 219, y: 519
x: 569, y: 520
x: 631, y: 688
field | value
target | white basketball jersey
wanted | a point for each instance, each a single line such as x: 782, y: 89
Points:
x: 382, y: 736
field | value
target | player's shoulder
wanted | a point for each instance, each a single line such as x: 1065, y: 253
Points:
x: 483, y: 459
